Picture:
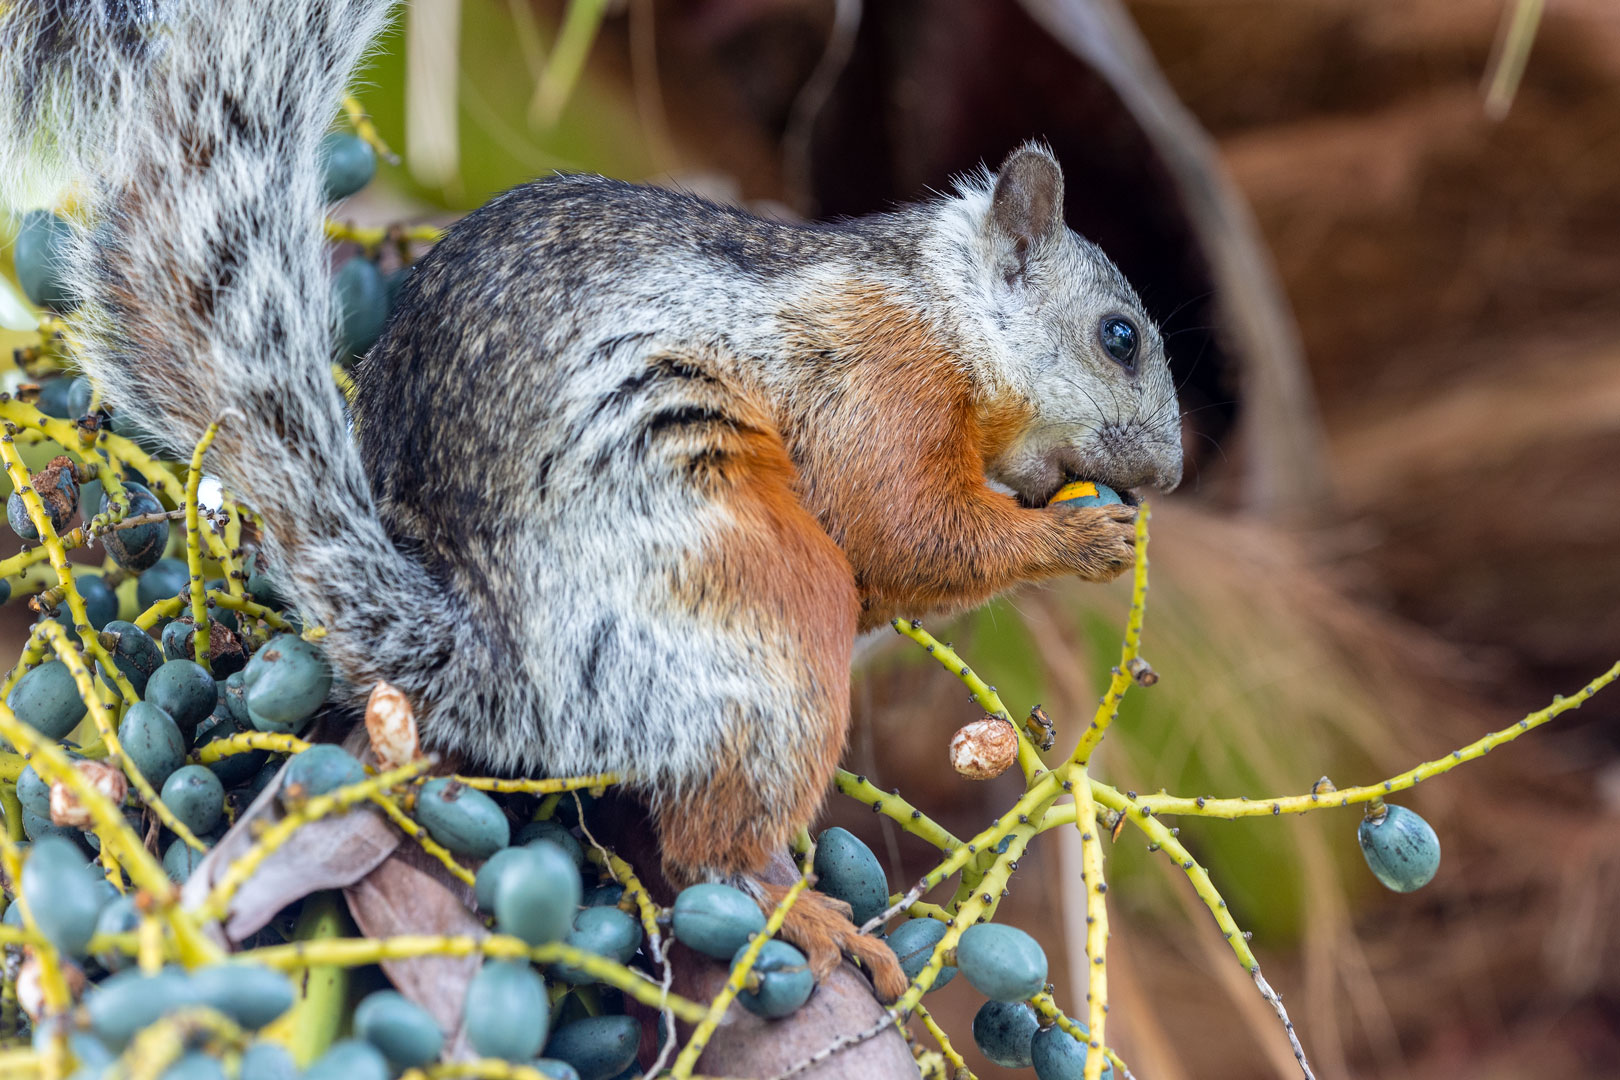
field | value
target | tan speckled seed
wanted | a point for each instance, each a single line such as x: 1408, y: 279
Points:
x: 391, y: 724
x: 985, y: 748
x: 65, y: 806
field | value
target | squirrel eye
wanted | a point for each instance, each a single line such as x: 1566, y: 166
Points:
x: 1119, y: 338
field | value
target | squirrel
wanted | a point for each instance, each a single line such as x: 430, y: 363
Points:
x: 629, y: 471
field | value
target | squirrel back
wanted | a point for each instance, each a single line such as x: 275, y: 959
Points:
x: 919, y: 350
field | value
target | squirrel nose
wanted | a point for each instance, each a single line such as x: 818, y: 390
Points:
x: 1139, y: 457
x: 1170, y: 478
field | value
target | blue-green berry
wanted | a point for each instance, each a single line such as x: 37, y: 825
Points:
x: 913, y: 943
x: 463, y: 819
x: 180, y: 860
x: 185, y: 691
x: 163, y: 580
x: 1057, y: 1055
x: 537, y: 895
x: 60, y: 889
x: 100, y: 602
x: 322, y: 768
x: 348, y: 163
x: 133, y: 652
x: 360, y: 296
x: 1002, y: 962
x: 47, y: 700
x: 506, y: 1013
x: 284, y: 683
x: 55, y: 398
x: 406, y: 1033
x: 131, y: 1000
x: 40, y: 257
x: 1400, y: 847
x: 266, y: 1060
x: 605, y: 931
x: 118, y: 916
x: 152, y: 741
x: 250, y: 994
x: 782, y: 980
x: 349, y: 1059
x: 140, y: 547
x: 79, y: 394
x: 716, y: 919
x: 599, y: 1047
x: 195, y: 796
x: 847, y: 869
x: 557, y: 833
x: 1002, y: 1031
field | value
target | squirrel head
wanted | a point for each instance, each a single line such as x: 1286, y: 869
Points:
x: 1064, y: 338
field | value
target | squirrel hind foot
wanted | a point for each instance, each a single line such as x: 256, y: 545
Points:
x: 822, y: 928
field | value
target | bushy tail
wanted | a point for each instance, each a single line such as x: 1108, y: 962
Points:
x: 70, y: 68
x: 194, y: 126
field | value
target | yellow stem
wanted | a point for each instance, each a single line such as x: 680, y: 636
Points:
x: 360, y: 952
x: 1096, y: 922
x: 1300, y: 804
x: 959, y: 1068
x: 1163, y: 838
x: 540, y: 787
x: 159, y: 1045
x: 172, y: 606
x: 892, y: 806
x: 1120, y: 678
x: 1031, y: 806
x: 1048, y: 1010
x: 199, y: 603
x: 478, y: 1069
x: 317, y: 1014
x: 52, y: 764
x: 1029, y: 759
x: 410, y: 828
x: 977, y: 904
x: 21, y: 482
x: 370, y: 238
x: 367, y: 130
x: 244, y: 743
x: 646, y: 909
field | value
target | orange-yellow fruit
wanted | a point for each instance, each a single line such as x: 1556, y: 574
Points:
x: 1087, y: 493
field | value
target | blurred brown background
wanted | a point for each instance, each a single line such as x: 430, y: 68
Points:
x: 1394, y: 320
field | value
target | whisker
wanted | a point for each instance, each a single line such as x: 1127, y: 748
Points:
x: 1209, y: 405
x: 1186, y: 304
x: 1212, y: 441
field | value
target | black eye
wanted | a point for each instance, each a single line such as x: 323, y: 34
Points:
x: 1119, y: 337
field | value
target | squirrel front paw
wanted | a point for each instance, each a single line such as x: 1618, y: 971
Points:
x: 822, y: 929
x: 1098, y: 542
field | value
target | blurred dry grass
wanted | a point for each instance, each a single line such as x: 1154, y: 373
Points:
x: 1454, y: 280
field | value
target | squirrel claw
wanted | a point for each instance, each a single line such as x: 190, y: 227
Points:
x: 822, y: 928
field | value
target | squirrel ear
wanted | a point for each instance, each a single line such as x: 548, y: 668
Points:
x: 1027, y: 206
